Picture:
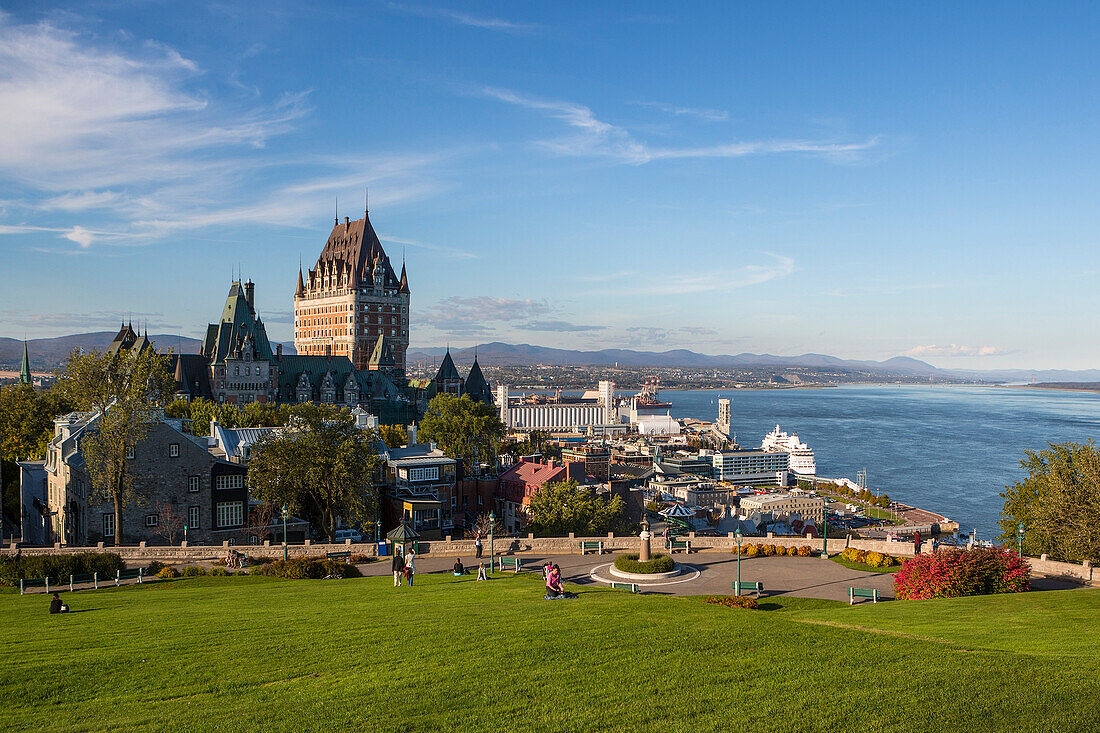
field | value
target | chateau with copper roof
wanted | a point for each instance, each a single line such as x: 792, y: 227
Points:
x: 352, y: 304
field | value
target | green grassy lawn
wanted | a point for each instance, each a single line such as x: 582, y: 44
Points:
x: 254, y: 653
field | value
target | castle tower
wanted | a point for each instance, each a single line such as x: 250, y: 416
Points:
x: 352, y: 298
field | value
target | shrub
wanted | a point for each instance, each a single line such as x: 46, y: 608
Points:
x: 360, y: 559
x: 168, y: 572
x: 767, y: 550
x: 749, y: 550
x: 154, y: 567
x: 59, y: 567
x: 953, y: 573
x: 733, y: 601
x: 220, y: 572
x: 259, y: 560
x: 307, y: 567
x: 658, y: 564
x: 194, y: 571
x: 805, y: 551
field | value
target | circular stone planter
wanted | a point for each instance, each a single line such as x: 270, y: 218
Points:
x: 643, y: 576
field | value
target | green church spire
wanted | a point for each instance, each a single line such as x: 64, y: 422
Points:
x: 25, y: 368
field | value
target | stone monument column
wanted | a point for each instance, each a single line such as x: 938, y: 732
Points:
x: 643, y: 552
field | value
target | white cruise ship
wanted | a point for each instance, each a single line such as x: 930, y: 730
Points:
x: 802, y: 456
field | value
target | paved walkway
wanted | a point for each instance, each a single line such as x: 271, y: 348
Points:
x: 712, y: 573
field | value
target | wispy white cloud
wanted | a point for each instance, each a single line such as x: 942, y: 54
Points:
x: 703, y: 113
x: 466, y: 19
x: 955, y: 350
x: 122, y: 137
x: 712, y: 279
x: 481, y: 314
x: 595, y: 138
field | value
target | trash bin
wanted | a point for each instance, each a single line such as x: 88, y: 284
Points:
x: 383, y: 549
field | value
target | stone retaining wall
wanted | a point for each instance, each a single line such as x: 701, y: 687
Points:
x: 536, y: 545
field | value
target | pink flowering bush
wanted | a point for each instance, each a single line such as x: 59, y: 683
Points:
x: 952, y: 573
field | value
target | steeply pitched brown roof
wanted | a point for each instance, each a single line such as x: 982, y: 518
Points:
x: 355, y: 244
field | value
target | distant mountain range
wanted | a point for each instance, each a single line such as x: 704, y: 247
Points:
x: 501, y: 354
x: 47, y: 354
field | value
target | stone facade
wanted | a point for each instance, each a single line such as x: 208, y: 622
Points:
x: 176, y: 475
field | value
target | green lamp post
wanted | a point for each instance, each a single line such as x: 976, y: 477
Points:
x: 737, y: 535
x: 377, y: 530
x: 1020, y: 538
x: 492, y: 523
x: 185, y: 534
x: 825, y: 533
x: 285, y: 513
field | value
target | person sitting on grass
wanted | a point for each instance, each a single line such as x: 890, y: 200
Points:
x: 481, y: 571
x: 458, y: 569
x: 56, y: 606
x: 553, y: 583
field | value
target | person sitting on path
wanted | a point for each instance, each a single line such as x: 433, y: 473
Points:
x: 481, y: 571
x: 458, y: 569
x: 397, y: 565
x: 410, y: 566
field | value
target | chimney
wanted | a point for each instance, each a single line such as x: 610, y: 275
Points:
x: 347, y: 222
x: 249, y: 294
x: 412, y: 434
x: 278, y: 351
x: 328, y: 350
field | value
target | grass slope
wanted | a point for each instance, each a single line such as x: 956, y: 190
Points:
x: 449, y: 654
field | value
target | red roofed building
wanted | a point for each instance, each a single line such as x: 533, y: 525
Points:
x: 523, y: 479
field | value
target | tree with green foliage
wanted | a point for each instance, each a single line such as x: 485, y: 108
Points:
x: 322, y: 466
x: 394, y: 436
x: 559, y: 508
x: 466, y: 430
x: 1058, y: 503
x: 26, y: 427
x: 126, y: 389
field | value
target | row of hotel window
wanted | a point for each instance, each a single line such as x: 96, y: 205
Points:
x: 226, y: 514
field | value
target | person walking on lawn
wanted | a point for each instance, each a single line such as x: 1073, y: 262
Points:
x: 397, y: 565
x: 410, y: 566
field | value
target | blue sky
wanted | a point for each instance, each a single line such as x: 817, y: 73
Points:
x: 864, y: 180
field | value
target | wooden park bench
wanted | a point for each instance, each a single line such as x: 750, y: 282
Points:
x: 509, y: 563
x: 753, y: 585
x: 632, y: 587
x: 854, y: 593
x: 674, y: 545
x: 345, y: 556
x: 130, y: 574
x: 92, y: 578
x: 596, y: 545
x: 25, y: 583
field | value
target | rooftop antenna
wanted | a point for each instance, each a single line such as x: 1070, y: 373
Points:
x: 337, y: 209
x: 366, y: 194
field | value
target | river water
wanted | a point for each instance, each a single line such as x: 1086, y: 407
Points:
x: 950, y: 449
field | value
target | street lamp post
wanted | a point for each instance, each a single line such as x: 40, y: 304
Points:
x: 185, y: 534
x: 284, y: 533
x: 825, y: 533
x: 737, y: 535
x: 377, y: 530
x: 492, y: 523
x: 1020, y: 538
